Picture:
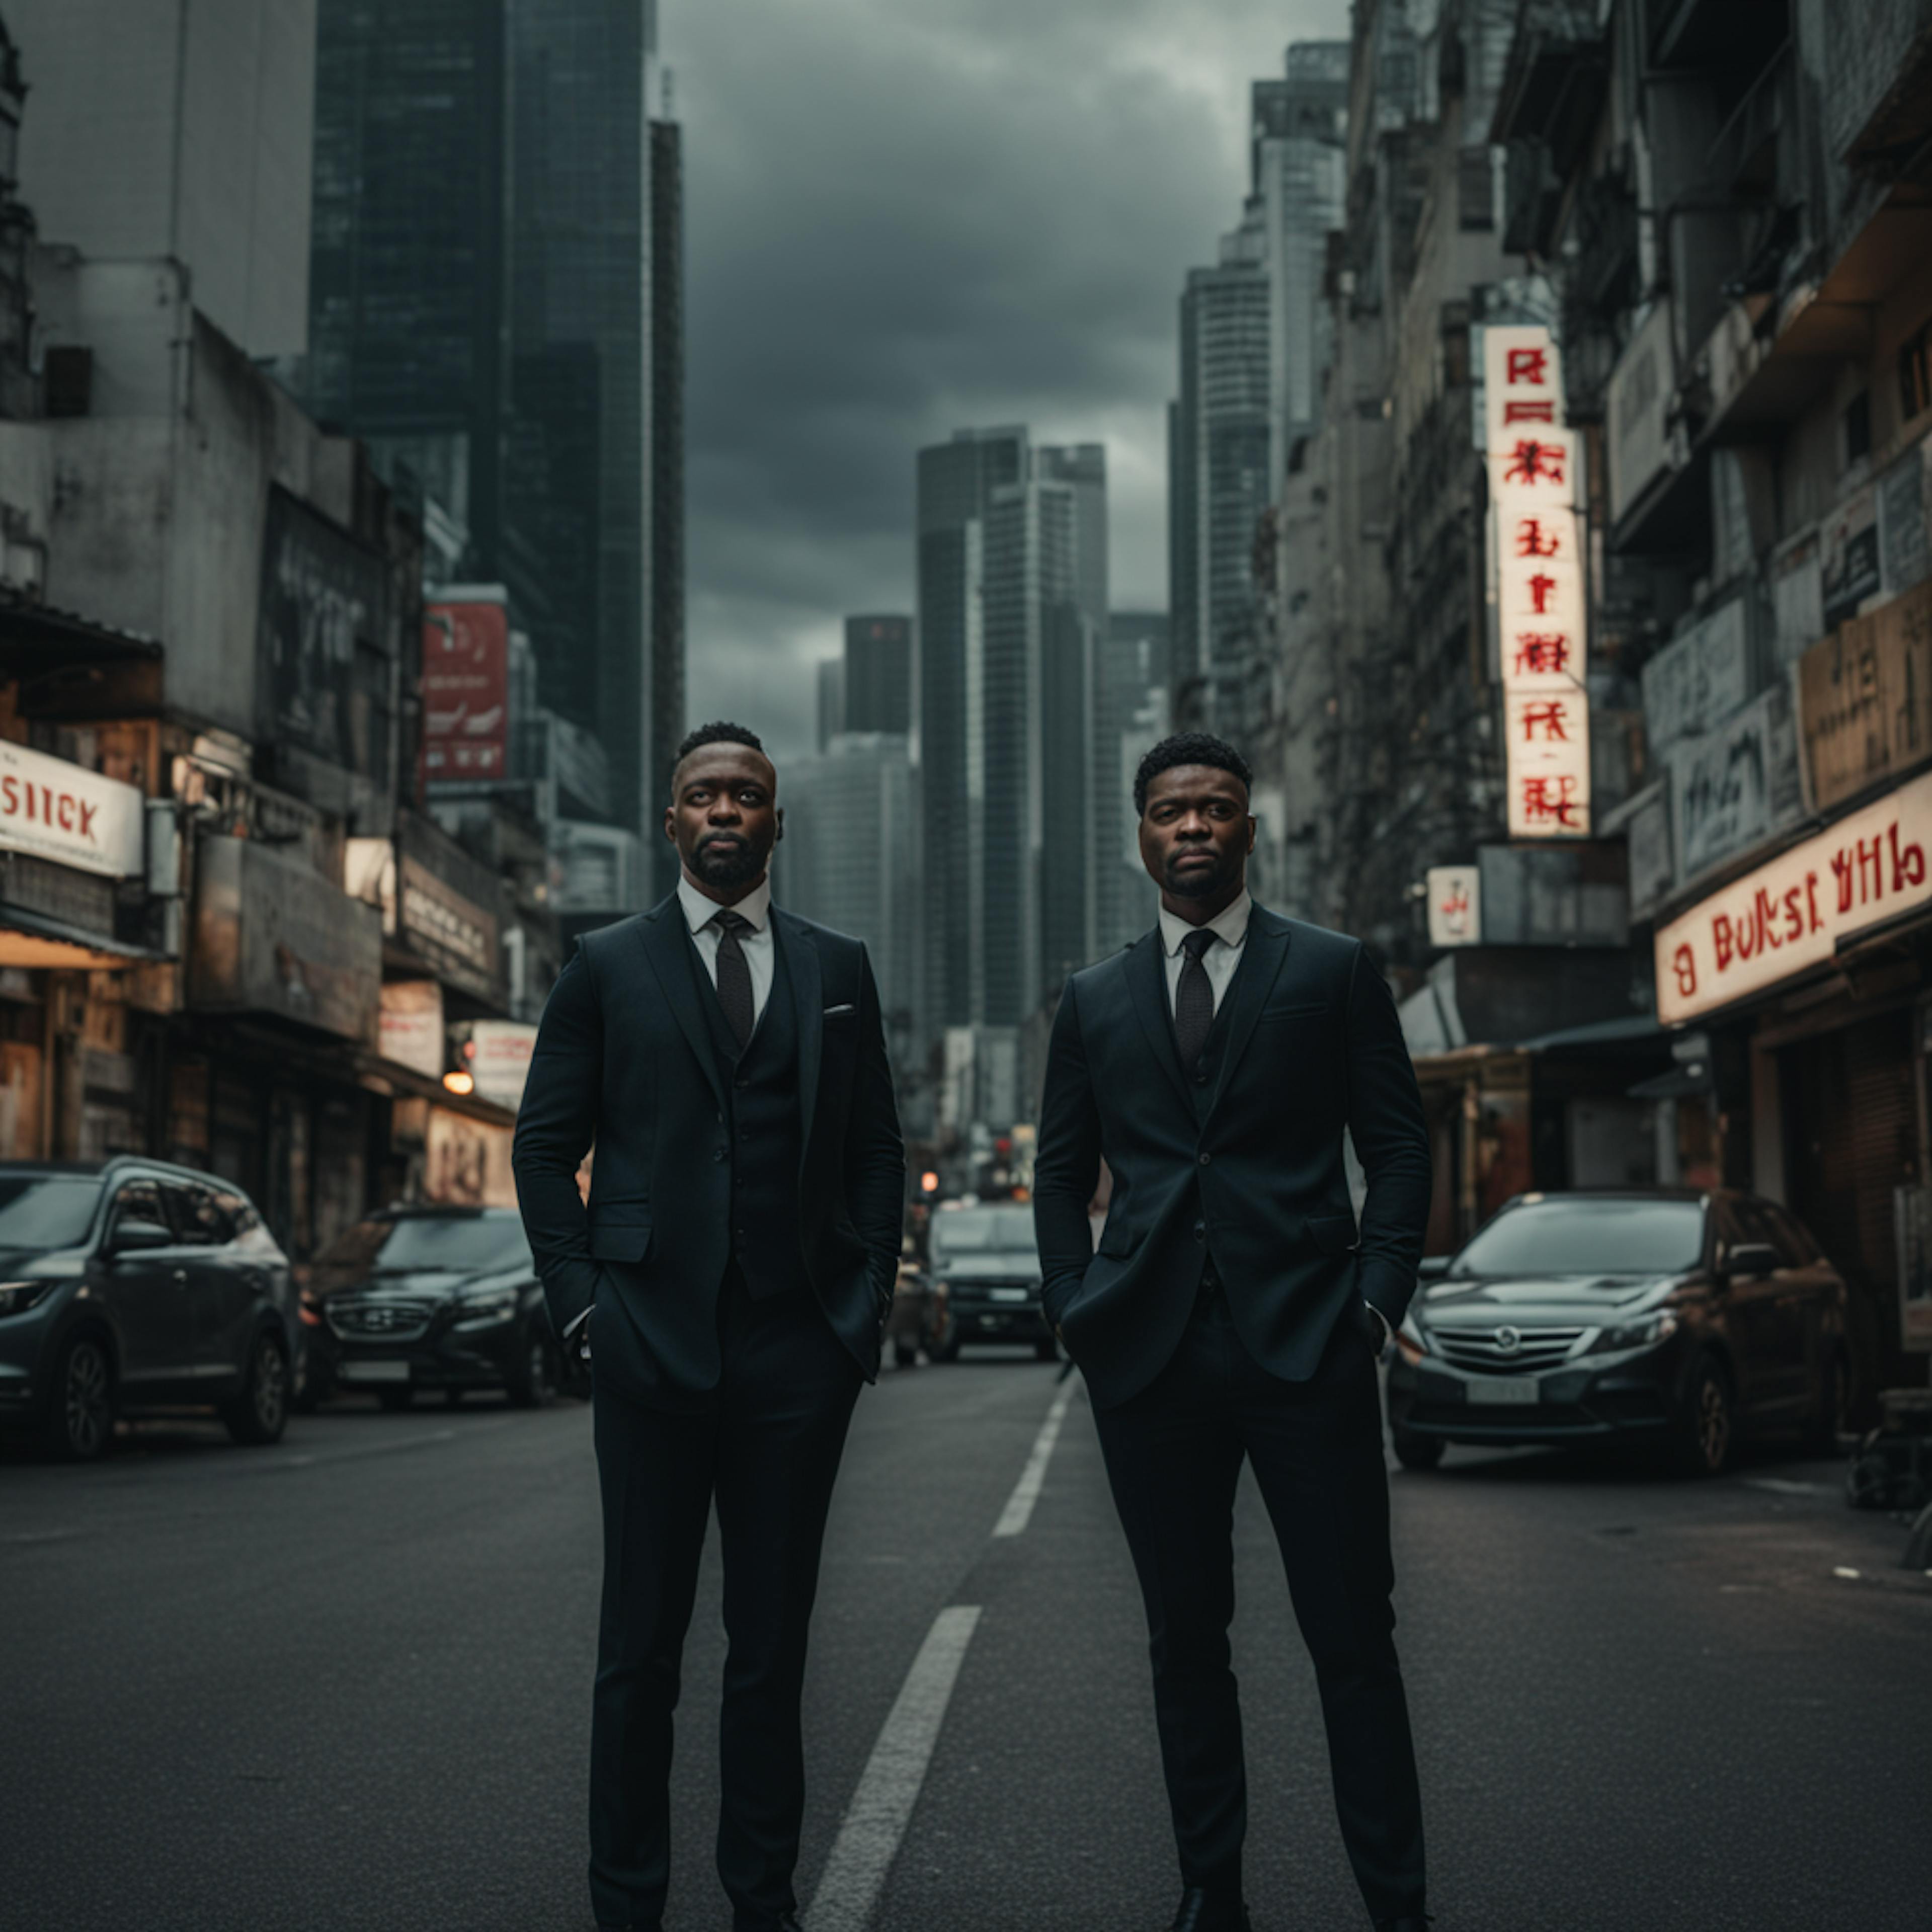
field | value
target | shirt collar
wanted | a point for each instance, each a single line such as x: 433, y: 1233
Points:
x: 754, y: 908
x: 1230, y: 925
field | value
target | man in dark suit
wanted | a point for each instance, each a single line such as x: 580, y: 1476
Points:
x: 734, y: 1265
x: 1231, y: 1309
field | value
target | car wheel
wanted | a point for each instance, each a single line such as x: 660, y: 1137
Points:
x: 1835, y: 1403
x: 260, y: 1413
x: 1416, y: 1452
x: 80, y: 1418
x: 395, y: 1398
x: 1706, y: 1424
x: 533, y: 1381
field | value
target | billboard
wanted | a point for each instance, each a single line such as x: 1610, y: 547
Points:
x: 58, y: 810
x: 322, y: 641
x: 465, y: 688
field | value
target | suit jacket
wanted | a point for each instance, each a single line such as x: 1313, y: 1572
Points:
x: 1248, y: 1168
x: 624, y: 1057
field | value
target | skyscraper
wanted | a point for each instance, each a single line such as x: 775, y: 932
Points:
x: 1222, y: 469
x: 1131, y: 679
x: 1255, y: 342
x: 878, y: 673
x: 1012, y: 585
x: 956, y: 481
x: 527, y: 368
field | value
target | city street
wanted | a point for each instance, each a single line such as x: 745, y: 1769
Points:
x: 344, y: 1683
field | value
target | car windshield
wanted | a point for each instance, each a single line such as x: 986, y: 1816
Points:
x: 46, y: 1210
x: 1576, y: 1235
x: 982, y: 1230
x: 465, y: 1243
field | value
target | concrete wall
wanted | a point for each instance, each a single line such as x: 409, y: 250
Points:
x: 181, y: 128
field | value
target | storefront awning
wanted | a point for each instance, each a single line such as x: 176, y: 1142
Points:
x: 32, y: 940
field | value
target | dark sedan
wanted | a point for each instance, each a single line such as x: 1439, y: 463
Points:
x: 430, y: 1298
x: 133, y: 1287
x: 1680, y: 1319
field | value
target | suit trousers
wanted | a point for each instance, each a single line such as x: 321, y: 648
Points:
x: 1174, y: 1455
x: 766, y: 1445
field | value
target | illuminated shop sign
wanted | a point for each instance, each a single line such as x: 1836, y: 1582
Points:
x: 1537, y: 575
x: 1790, y: 914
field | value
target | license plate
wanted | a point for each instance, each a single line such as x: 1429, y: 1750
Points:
x: 1008, y: 1294
x: 1504, y: 1391
x: 374, y: 1372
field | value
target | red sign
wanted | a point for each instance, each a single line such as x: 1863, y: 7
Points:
x: 465, y: 690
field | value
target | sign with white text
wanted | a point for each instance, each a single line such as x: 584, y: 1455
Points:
x: 1538, y: 575
x: 1790, y: 915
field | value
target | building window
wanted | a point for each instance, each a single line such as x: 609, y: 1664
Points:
x: 1857, y: 427
x: 1915, y: 372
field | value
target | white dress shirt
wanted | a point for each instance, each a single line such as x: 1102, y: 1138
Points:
x: 1230, y: 928
x: 755, y: 909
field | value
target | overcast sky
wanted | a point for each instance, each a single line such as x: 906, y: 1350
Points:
x: 907, y: 217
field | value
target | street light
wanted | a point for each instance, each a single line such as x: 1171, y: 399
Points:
x: 460, y: 1082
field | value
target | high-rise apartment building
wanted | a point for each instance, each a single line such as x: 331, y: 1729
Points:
x: 878, y: 673
x: 496, y: 308
x: 184, y: 132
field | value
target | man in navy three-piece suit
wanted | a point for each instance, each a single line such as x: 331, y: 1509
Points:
x: 1232, y: 1311
x: 733, y: 1269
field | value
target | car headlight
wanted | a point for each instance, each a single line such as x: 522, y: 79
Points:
x: 17, y: 1296
x: 482, y: 1310
x: 1646, y: 1334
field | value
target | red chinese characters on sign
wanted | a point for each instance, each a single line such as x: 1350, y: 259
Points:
x: 1791, y: 913
x: 1538, y: 582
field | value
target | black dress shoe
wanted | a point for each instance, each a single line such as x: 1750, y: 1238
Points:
x: 1204, y: 1911
x: 1416, y: 1921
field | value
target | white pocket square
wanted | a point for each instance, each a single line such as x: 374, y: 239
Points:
x: 832, y: 1012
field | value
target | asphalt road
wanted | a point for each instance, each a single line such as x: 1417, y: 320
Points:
x: 344, y: 1683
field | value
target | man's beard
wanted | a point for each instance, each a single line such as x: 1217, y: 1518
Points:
x: 727, y: 862
x: 1196, y: 882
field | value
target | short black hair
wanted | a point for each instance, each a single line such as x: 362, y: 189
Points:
x: 1189, y: 747
x: 719, y: 731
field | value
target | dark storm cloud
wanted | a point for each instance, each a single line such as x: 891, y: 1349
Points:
x: 906, y: 217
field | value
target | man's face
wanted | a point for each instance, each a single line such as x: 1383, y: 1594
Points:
x: 1195, y: 833
x: 724, y: 816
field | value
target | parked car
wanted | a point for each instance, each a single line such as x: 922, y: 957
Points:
x: 985, y: 1280
x: 1681, y: 1319
x: 133, y: 1287
x: 422, y: 1298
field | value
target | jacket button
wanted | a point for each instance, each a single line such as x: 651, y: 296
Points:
x: 741, y: 1084
x: 721, y: 1154
x: 1200, y: 1230
x: 1205, y: 1159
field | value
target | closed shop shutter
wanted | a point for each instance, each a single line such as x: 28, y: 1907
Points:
x: 1856, y: 1137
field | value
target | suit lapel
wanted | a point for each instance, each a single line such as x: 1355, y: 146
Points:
x: 808, y: 989
x: 1262, y: 952
x: 667, y: 946
x: 1147, y: 983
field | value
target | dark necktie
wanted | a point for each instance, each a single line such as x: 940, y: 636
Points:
x: 734, y: 974
x: 1193, y: 1000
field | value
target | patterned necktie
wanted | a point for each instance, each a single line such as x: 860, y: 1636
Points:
x: 1193, y: 1000
x: 734, y: 974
